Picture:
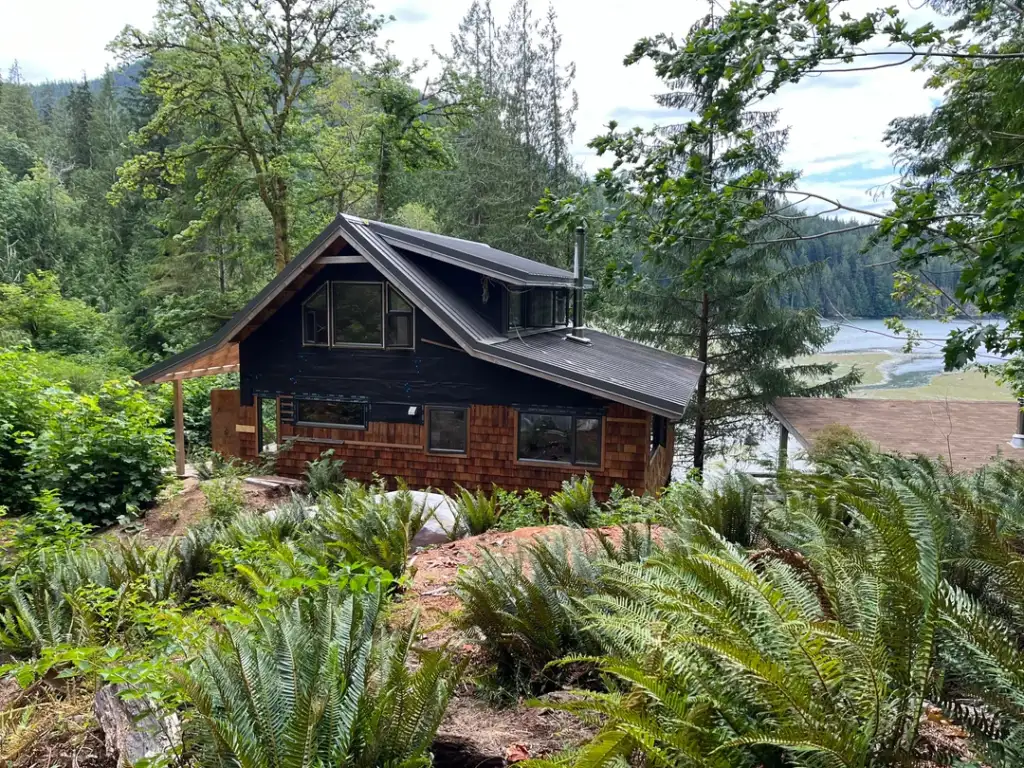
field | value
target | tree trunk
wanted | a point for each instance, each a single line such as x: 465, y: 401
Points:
x: 282, y: 252
x: 702, y: 387
x: 383, y: 178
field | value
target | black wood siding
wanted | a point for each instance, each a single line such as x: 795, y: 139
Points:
x: 273, y: 362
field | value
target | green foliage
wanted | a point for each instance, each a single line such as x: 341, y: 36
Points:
x: 371, y: 525
x: 875, y: 587
x: 475, y: 513
x: 730, y: 508
x: 517, y: 510
x: 525, y: 606
x: 315, y: 683
x: 104, y: 453
x: 325, y: 474
x: 50, y: 529
x: 224, y: 497
x: 22, y: 417
x: 575, y: 504
x: 36, y: 313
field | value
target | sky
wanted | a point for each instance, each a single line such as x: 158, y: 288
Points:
x: 836, y: 122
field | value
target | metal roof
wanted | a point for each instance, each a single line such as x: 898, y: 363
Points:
x: 608, y: 366
x: 652, y: 378
x: 477, y: 257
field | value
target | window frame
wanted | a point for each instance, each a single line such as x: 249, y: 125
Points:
x: 428, y: 415
x: 325, y: 286
x: 297, y: 409
x: 388, y: 311
x: 535, y: 301
x: 383, y: 315
x: 572, y: 439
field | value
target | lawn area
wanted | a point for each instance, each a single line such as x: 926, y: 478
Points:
x: 869, y: 363
x: 962, y: 385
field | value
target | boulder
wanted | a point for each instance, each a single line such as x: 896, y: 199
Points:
x: 441, y: 522
x: 131, y: 730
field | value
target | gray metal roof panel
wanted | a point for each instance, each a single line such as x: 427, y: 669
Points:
x: 647, y: 375
x: 474, y: 256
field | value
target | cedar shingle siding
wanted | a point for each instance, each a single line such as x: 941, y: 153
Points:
x: 397, y: 450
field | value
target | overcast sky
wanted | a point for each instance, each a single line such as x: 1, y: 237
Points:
x: 836, y: 122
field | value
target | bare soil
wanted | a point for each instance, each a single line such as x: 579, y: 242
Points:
x: 174, y: 515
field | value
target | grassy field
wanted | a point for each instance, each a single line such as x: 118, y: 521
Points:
x: 963, y: 385
x: 868, y: 363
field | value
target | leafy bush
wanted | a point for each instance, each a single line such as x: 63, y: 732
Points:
x: 103, y: 453
x: 21, y: 420
x: 525, y: 606
x: 575, y: 504
x: 520, y: 511
x: 324, y: 474
x: 224, y: 497
x: 474, y: 513
x: 625, y: 507
x: 372, y: 526
x: 314, y: 683
x: 47, y: 320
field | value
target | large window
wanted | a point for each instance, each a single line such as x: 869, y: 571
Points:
x: 446, y: 430
x: 400, y: 323
x: 542, y: 314
x: 537, y: 308
x: 315, y: 318
x: 560, y: 438
x: 358, y: 314
x: 330, y: 413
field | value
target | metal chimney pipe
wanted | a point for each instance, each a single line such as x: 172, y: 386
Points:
x: 1017, y: 441
x: 579, y: 254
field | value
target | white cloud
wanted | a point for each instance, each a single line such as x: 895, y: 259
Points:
x: 836, y: 122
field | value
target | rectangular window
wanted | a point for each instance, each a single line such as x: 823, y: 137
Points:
x: 330, y: 413
x: 400, y: 322
x: 314, y: 318
x: 561, y: 308
x: 515, y: 309
x: 446, y: 430
x: 560, y: 438
x: 541, y: 308
x: 358, y: 314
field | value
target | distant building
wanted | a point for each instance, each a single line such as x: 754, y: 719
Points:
x: 965, y: 435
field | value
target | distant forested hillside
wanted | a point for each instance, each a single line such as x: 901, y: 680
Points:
x: 848, y: 281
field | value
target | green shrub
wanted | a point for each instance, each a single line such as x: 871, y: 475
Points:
x: 224, y: 497
x: 315, y: 683
x: 324, y: 474
x: 103, y: 453
x: 525, y: 606
x: 516, y: 510
x: 372, y: 526
x: 474, y: 513
x: 625, y: 507
x: 574, y: 504
x: 21, y: 419
x: 732, y: 508
x: 47, y: 320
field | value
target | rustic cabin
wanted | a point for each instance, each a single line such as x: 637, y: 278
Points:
x: 440, y: 361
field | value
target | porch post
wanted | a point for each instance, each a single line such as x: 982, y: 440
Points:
x: 783, y: 447
x: 179, y: 428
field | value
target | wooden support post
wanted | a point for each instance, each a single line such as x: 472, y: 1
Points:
x: 783, y: 447
x: 179, y: 428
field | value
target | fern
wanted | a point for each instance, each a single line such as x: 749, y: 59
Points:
x: 315, y: 683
